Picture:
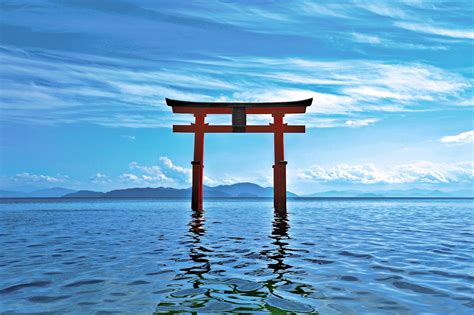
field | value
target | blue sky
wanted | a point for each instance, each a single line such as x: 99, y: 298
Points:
x: 83, y: 86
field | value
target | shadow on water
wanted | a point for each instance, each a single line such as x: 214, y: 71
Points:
x: 197, y: 252
x: 280, y: 238
x: 203, y: 285
x: 280, y: 270
x: 187, y: 291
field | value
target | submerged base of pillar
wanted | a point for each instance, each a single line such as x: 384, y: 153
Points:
x: 196, y: 206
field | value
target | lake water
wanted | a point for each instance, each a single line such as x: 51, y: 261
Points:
x: 329, y: 256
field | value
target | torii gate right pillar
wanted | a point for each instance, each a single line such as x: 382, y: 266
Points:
x: 198, y: 163
x: 279, y: 168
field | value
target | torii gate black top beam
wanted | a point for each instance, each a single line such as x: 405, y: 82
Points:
x: 239, y: 113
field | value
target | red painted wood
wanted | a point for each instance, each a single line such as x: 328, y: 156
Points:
x: 279, y: 169
x: 198, y: 163
x: 229, y: 129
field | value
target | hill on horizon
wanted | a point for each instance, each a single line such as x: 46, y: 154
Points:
x: 238, y: 190
x: 54, y: 192
x: 408, y: 193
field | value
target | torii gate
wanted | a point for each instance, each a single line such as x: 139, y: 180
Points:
x: 239, y: 113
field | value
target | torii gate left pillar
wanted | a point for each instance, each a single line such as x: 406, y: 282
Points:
x: 239, y: 112
x: 198, y: 163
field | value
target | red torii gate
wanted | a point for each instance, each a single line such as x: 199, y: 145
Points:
x: 239, y: 113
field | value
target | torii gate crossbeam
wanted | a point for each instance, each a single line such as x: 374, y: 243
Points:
x: 239, y: 113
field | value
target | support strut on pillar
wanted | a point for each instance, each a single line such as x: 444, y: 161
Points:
x: 198, y: 163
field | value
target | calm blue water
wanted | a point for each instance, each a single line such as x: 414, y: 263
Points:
x: 146, y: 256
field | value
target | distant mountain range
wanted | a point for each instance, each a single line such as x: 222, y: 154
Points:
x: 413, y: 193
x: 54, y: 192
x: 240, y: 190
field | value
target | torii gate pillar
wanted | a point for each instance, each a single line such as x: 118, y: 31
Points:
x: 198, y: 163
x: 279, y: 168
x: 239, y: 113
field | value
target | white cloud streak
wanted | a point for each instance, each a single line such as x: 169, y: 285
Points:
x: 33, y: 178
x: 368, y: 174
x: 100, y: 179
x: 376, y: 40
x: 128, y: 137
x: 361, y: 122
x: 27, y: 179
x: 383, y: 9
x: 78, y: 91
x: 462, y: 138
x: 434, y: 30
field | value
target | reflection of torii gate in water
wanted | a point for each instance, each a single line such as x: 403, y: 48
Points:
x: 239, y: 113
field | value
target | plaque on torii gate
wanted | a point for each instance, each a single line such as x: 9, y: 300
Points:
x: 239, y: 112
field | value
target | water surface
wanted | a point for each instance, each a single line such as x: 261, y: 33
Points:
x: 328, y: 256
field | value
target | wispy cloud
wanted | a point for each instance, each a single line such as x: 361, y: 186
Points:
x: 356, y: 85
x: 462, y: 138
x: 334, y: 10
x: 361, y: 122
x: 389, y: 9
x: 76, y: 90
x: 368, y: 174
x: 364, y: 38
x: 128, y: 137
x: 434, y: 30
x: 27, y: 179
x: 376, y: 40
x: 100, y: 179
x: 34, y: 178
x: 127, y: 89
